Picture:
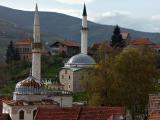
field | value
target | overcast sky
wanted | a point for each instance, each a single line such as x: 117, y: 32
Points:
x: 143, y: 15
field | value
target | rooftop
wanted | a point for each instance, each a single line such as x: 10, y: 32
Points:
x: 67, y: 43
x: 80, y: 113
x: 27, y: 41
x: 80, y: 59
x: 24, y: 103
x: 141, y: 41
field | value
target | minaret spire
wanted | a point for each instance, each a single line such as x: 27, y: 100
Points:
x: 36, y: 25
x: 36, y: 47
x: 84, y: 32
x: 84, y: 10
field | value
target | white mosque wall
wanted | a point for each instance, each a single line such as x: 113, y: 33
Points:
x: 14, y: 111
x: 64, y: 101
x: 66, y: 79
x: 28, y: 97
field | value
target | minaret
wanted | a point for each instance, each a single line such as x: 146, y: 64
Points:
x: 84, y: 32
x: 36, y: 48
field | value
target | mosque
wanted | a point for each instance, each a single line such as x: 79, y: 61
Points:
x: 30, y: 93
x: 75, y: 69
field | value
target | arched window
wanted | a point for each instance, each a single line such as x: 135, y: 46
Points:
x: 21, y: 115
x: 34, y: 113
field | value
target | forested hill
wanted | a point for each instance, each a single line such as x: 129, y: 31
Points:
x: 64, y: 26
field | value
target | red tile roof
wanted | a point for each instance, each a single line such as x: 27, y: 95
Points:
x: 141, y: 41
x: 24, y: 42
x: 156, y: 46
x: 67, y: 43
x: 154, y: 116
x: 77, y: 113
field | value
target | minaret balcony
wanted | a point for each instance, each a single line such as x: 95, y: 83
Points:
x: 36, y: 45
x: 84, y: 28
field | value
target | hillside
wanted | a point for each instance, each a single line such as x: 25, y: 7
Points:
x: 54, y: 24
x: 17, y: 24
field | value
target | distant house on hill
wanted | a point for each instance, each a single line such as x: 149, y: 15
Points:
x: 126, y: 37
x: 93, y: 51
x: 24, y: 49
x: 157, y: 48
x: 141, y: 42
x: 67, y: 48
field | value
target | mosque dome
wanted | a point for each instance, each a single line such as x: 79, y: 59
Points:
x: 29, y: 86
x: 80, y: 60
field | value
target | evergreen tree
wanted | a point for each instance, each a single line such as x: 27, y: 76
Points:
x: 117, y: 40
x: 11, y: 54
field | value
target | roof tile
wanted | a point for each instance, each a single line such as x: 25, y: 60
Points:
x: 77, y: 113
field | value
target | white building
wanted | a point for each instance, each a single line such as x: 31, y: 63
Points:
x: 74, y: 70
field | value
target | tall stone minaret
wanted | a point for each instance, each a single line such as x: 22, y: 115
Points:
x: 84, y: 32
x: 36, y: 48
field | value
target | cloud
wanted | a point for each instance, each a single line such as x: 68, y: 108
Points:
x: 68, y: 11
x: 155, y: 17
x: 128, y: 20
x: 74, y: 1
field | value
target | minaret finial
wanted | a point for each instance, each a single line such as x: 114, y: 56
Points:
x: 36, y: 7
x: 84, y: 10
x: 36, y: 16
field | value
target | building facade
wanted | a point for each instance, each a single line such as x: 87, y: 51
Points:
x: 23, y: 48
x: 66, y: 48
x: 154, y: 107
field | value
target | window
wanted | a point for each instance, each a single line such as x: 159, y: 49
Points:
x: 65, y: 71
x: 34, y: 113
x: 69, y: 86
x: 62, y: 76
x: 21, y: 115
x: 69, y: 77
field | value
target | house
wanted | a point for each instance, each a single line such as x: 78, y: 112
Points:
x: 67, y: 48
x: 141, y: 42
x: 157, y: 48
x: 93, y: 51
x: 154, y: 107
x: 23, y: 48
x: 81, y: 113
x: 126, y: 37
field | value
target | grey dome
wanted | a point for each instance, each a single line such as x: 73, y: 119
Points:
x: 81, y: 59
x: 29, y: 86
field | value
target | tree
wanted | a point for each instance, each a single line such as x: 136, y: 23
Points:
x: 135, y: 70
x: 117, y: 40
x: 123, y: 80
x: 11, y: 54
